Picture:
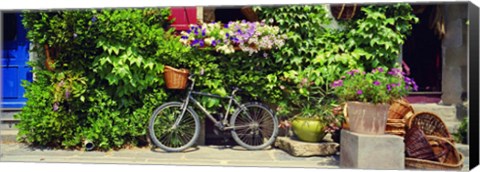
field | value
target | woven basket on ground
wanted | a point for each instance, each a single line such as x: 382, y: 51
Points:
x: 448, y: 156
x: 417, y: 145
x: 430, y: 124
x: 399, y: 108
x: 395, y: 127
x: 175, y: 78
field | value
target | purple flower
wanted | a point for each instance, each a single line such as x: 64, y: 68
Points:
x: 415, y: 87
x: 353, y: 72
x: 226, y: 25
x: 55, y: 106
x: 389, y: 88
x: 359, y: 92
x: 201, y: 43
x: 337, y: 83
x: 194, y: 42
x: 380, y: 69
x: 265, y: 55
x: 184, y: 37
x: 195, y: 32
x: 377, y: 83
x: 67, y: 93
x: 94, y: 19
x: 214, y: 43
x: 203, y: 32
x: 407, y: 79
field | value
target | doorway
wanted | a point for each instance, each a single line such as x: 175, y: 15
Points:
x: 422, y: 53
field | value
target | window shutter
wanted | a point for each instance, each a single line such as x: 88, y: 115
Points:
x: 183, y: 17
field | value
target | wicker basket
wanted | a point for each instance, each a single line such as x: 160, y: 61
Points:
x: 430, y: 124
x: 417, y: 145
x: 345, y: 114
x: 344, y: 11
x: 433, y: 165
x: 249, y: 13
x: 395, y: 127
x: 399, y: 108
x: 449, y: 157
x: 175, y: 78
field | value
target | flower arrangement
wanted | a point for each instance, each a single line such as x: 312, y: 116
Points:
x: 249, y: 37
x: 378, y: 86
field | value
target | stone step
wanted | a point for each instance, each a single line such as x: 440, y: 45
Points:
x: 463, y: 148
x: 7, y: 120
x: 8, y: 136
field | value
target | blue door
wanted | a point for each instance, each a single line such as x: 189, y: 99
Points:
x: 15, y: 56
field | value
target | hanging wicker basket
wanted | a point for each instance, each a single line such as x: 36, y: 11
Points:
x: 249, y: 13
x: 175, y: 78
x: 49, y: 54
x: 344, y: 11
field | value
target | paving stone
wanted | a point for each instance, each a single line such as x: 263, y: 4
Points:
x: 227, y: 153
x: 305, y: 149
x: 203, y: 155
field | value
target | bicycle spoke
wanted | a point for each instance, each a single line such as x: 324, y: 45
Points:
x: 239, y: 127
x: 172, y: 138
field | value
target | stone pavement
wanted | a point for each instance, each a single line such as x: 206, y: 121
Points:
x: 201, y: 155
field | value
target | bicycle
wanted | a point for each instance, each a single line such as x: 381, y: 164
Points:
x: 175, y: 126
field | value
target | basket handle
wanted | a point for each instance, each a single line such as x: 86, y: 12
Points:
x: 442, y: 142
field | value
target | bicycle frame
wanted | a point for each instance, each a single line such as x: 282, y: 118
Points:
x: 220, y: 124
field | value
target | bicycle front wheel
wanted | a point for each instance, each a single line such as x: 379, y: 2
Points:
x: 254, y: 126
x: 169, y: 137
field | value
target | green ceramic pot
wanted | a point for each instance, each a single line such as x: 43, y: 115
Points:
x: 308, y: 130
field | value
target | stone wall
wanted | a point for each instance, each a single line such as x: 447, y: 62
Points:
x: 455, y: 53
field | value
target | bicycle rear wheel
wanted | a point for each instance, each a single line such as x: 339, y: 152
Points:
x: 254, y: 127
x: 169, y: 138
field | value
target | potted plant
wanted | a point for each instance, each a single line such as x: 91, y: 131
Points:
x: 314, y: 108
x: 315, y: 119
x: 250, y: 37
x: 368, y: 97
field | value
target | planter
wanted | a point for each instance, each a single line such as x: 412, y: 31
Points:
x: 308, y: 130
x: 367, y: 118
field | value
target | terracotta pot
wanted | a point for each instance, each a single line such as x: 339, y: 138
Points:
x: 367, y: 118
x: 308, y: 130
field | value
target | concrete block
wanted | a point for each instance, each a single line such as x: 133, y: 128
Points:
x: 303, y: 149
x: 361, y: 151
